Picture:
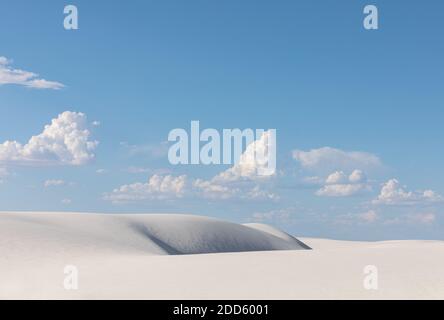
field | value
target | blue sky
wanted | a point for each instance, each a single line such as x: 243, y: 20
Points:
x: 307, y: 68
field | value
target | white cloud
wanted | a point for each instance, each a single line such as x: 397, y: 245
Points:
x: 336, y: 177
x: 329, y: 159
x: 170, y: 187
x: 431, y: 195
x: 249, y: 166
x: 64, y: 141
x: 9, y: 75
x: 101, y: 171
x: 357, y: 176
x: 221, y: 187
x: 341, y: 190
x: 158, y: 187
x: 54, y: 183
x: 392, y: 193
x: 259, y: 193
x: 210, y: 190
x: 338, y: 184
x: 248, y: 170
x: 66, y: 201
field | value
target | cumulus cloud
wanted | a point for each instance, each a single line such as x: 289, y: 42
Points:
x: 64, y: 141
x: 255, y: 162
x: 170, y: 187
x: 9, y: 75
x: 336, y: 177
x: 329, y: 159
x: 157, y: 188
x: 392, y: 193
x: 253, y: 169
x: 211, y: 189
x: 341, y: 190
x: 357, y: 176
x: 238, y: 182
x: 338, y: 184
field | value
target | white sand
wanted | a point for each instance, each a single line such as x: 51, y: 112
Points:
x: 155, y: 257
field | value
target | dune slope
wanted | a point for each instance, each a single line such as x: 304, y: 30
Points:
x: 149, y: 233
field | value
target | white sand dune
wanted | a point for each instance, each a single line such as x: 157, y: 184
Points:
x: 154, y: 256
x: 157, y: 234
